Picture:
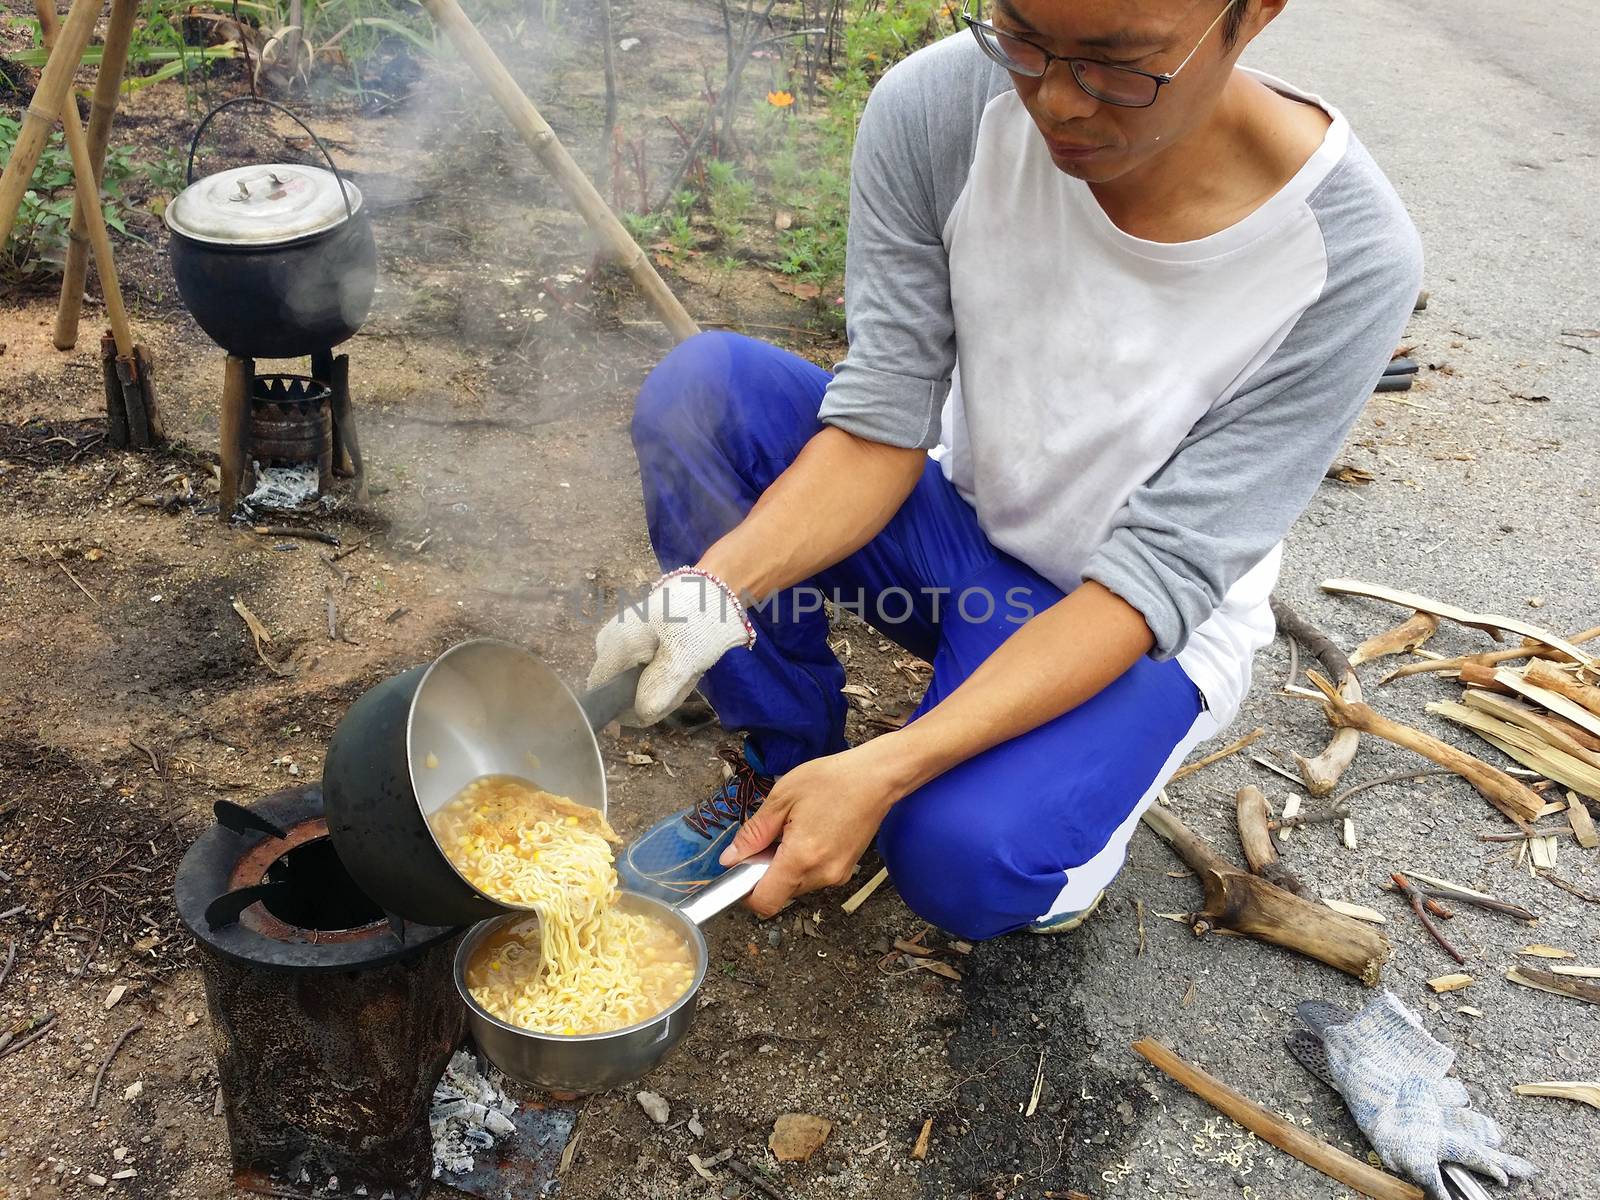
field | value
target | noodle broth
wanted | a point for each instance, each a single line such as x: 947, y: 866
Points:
x: 655, y: 962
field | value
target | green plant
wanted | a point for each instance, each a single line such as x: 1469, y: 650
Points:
x: 39, y: 239
x: 730, y: 196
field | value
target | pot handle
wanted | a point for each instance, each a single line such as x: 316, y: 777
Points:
x: 611, y: 699
x: 194, y: 142
x: 726, y: 890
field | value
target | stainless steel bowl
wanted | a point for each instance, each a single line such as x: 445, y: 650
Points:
x: 594, y: 1062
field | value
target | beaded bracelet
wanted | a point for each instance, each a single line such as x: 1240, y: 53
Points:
x: 733, y: 597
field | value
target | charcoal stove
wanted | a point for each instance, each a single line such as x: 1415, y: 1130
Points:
x: 277, y: 261
x: 332, y: 1021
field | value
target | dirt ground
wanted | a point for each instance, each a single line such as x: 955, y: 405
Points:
x: 493, y: 387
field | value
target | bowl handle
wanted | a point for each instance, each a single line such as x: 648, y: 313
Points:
x: 729, y: 888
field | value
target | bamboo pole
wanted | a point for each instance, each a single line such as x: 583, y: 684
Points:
x: 1269, y: 1127
x: 114, y: 57
x: 553, y: 155
x: 54, y: 82
x: 86, y: 184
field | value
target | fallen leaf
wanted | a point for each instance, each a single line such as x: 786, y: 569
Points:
x: 798, y: 288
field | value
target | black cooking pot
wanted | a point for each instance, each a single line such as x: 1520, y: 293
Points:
x: 274, y: 260
x: 412, y: 742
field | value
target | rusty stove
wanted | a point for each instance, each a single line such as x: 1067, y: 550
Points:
x: 331, y: 1020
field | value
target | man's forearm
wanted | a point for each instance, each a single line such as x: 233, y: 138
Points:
x: 835, y: 497
x: 1055, y: 662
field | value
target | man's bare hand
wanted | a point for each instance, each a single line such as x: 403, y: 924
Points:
x: 826, y: 812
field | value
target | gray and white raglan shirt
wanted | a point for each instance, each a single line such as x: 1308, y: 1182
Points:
x: 1150, y: 415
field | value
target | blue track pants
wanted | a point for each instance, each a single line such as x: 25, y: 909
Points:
x: 1031, y: 828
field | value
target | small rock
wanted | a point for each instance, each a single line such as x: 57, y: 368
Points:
x: 114, y: 997
x: 655, y: 1106
x: 128, y: 1174
x: 697, y: 1129
x: 628, y: 43
x: 134, y: 1090
x: 120, y: 1153
x: 96, y: 1180
x: 774, y: 937
x: 1535, y: 601
x: 796, y: 1137
x: 191, y: 1019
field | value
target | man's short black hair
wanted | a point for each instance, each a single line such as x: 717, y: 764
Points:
x: 1234, y: 21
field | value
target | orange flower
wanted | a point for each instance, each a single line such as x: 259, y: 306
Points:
x: 780, y: 99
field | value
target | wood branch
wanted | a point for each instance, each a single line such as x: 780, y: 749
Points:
x: 1402, y: 639
x: 1216, y: 756
x: 1478, y: 676
x: 1517, y: 801
x: 1554, y: 702
x: 1566, y: 885
x: 1584, y: 1092
x: 1542, y: 674
x: 1582, y: 823
x: 1322, y: 773
x: 1432, y: 886
x: 1270, y: 1127
x: 1259, y: 851
x: 1559, y: 985
x: 1554, y: 733
x: 1417, y: 906
x: 1491, y: 659
x: 1527, y: 748
x: 1239, y: 902
x: 1490, y: 623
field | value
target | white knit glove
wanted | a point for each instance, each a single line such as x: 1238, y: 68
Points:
x: 689, y: 620
x: 1394, y: 1079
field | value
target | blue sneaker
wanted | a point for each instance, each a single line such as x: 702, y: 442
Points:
x: 677, y: 856
x: 1068, y: 921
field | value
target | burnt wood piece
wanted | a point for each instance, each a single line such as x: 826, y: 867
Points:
x: 1323, y: 772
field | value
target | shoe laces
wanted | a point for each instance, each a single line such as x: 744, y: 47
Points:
x: 735, y: 800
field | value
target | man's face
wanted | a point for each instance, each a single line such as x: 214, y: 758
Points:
x: 1098, y: 142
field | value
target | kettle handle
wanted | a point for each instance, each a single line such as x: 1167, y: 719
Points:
x: 194, y: 142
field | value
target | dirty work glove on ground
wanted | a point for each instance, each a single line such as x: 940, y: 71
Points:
x: 1393, y: 1077
x: 689, y: 620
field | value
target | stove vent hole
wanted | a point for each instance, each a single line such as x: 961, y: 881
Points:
x: 322, y: 895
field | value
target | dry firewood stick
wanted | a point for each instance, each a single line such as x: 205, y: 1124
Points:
x: 1487, y: 903
x: 1259, y: 851
x: 1270, y: 1127
x: 1217, y: 756
x: 1322, y: 773
x: 1519, y: 836
x: 1559, y: 734
x: 1403, y: 638
x: 296, y: 531
x: 1549, y: 981
x: 99, y: 1076
x: 1492, y: 658
x: 1490, y: 623
x: 1566, y: 885
x: 1474, y: 675
x: 1238, y: 902
x: 1517, y: 801
x: 1542, y: 674
x: 1331, y: 817
x: 1416, y: 898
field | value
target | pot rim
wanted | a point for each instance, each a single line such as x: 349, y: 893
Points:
x: 357, y: 214
x: 511, y: 907
x: 475, y: 935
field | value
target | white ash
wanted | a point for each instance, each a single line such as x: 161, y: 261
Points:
x: 284, y: 489
x: 470, y: 1114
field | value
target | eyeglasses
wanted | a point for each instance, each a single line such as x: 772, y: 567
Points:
x: 1122, y: 86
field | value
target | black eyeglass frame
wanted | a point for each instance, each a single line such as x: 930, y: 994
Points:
x: 1073, y: 62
